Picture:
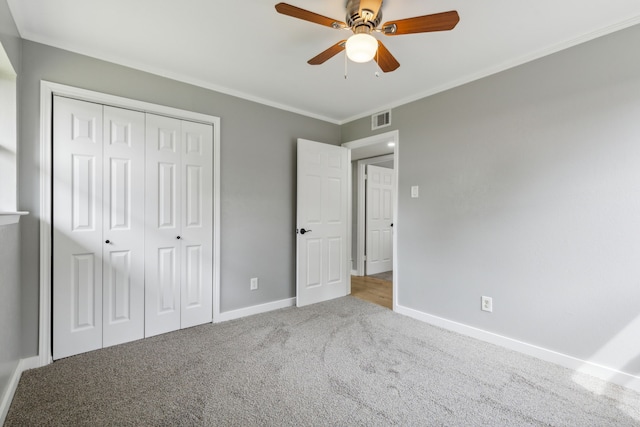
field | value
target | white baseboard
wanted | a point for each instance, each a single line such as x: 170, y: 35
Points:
x: 23, y: 365
x: 255, y: 309
x: 603, y: 372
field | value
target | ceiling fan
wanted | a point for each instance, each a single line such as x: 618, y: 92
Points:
x: 363, y: 18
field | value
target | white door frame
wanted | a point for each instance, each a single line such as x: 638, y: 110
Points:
x: 393, y: 136
x: 47, y: 90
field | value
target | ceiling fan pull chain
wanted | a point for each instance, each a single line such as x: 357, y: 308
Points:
x: 346, y: 70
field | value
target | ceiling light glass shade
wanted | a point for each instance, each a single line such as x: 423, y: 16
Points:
x: 361, y: 47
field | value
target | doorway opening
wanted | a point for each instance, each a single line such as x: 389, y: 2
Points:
x: 379, y: 287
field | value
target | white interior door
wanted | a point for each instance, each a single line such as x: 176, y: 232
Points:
x: 379, y: 219
x: 196, y: 224
x: 123, y: 226
x: 162, y: 232
x: 77, y: 227
x: 322, y: 222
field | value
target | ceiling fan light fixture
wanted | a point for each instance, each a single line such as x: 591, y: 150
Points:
x: 361, y: 47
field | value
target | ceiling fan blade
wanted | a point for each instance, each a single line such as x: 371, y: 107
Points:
x: 328, y: 54
x: 372, y: 5
x: 422, y: 24
x: 385, y: 60
x: 296, y: 12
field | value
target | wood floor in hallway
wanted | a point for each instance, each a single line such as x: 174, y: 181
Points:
x: 372, y: 289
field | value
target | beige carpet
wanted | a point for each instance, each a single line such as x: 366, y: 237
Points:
x: 341, y: 363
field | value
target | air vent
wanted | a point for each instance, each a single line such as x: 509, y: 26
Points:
x: 380, y: 120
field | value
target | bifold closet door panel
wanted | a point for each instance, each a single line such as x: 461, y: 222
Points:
x: 132, y: 225
x: 162, y: 225
x: 77, y: 227
x: 197, y: 224
x: 123, y: 225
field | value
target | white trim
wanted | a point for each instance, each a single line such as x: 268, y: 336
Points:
x: 361, y: 231
x: 349, y: 221
x: 179, y: 77
x: 45, y: 326
x: 386, y: 137
x: 339, y: 121
x: 599, y: 371
x: 371, y: 140
x: 396, y: 167
x: 255, y: 309
x: 217, y: 162
x: 499, y: 68
x: 47, y: 90
x: 7, y: 397
x: 8, y: 141
x: 7, y: 218
x: 131, y: 104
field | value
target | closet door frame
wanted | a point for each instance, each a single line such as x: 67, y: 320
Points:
x: 47, y: 91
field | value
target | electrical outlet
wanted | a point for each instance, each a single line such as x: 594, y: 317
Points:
x: 254, y: 284
x: 487, y: 304
x: 415, y: 191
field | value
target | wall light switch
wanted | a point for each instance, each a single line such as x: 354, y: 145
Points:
x: 415, y: 191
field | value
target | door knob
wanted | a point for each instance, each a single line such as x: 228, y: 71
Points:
x: 178, y: 237
x: 107, y: 241
x: 302, y: 231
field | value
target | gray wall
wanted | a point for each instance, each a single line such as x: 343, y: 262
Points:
x: 258, y: 173
x: 9, y: 36
x: 529, y: 193
x: 10, y: 330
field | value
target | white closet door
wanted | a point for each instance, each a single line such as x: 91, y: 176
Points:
x: 77, y: 227
x: 197, y: 224
x: 123, y: 226
x: 162, y: 231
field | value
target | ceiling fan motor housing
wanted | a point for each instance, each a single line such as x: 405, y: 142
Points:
x: 364, y: 22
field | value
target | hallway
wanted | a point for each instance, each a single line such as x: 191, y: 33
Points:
x: 377, y: 289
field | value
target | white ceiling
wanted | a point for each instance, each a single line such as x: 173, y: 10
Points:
x: 246, y: 48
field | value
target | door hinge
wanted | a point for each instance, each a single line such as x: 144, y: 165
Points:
x: 364, y: 258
